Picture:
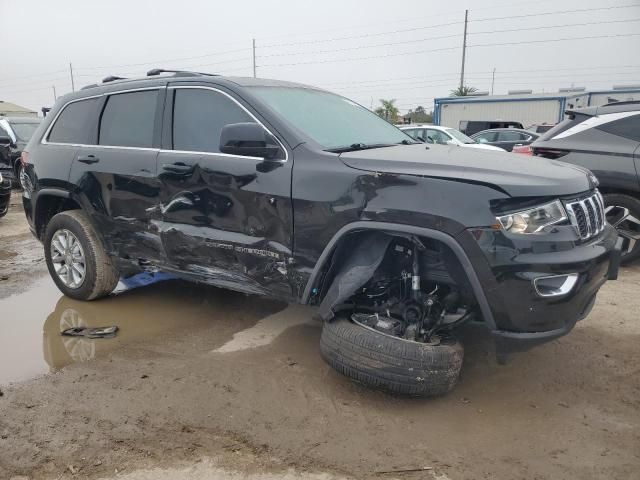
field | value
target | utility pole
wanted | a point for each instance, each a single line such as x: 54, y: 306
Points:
x: 73, y: 86
x: 464, y: 48
x: 493, y: 78
x: 55, y: 97
x: 254, y: 57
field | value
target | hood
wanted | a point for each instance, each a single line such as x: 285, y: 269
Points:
x: 517, y: 175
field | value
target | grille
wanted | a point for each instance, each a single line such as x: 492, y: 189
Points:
x: 587, y: 215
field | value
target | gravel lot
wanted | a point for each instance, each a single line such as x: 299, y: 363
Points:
x: 202, y: 383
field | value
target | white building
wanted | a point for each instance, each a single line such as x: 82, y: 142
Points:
x: 523, y: 106
x: 8, y: 109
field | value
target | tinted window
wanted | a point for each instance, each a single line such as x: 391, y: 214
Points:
x: 24, y: 131
x: 128, y: 119
x: 72, y: 124
x: 198, y: 118
x: 512, y: 137
x: 628, y: 127
x: 487, y: 137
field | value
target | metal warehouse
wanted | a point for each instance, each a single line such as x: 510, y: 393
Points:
x: 523, y: 106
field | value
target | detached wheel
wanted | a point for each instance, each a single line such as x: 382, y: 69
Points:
x: 623, y: 212
x: 76, y: 259
x: 388, y: 363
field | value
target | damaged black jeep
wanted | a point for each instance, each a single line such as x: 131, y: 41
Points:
x: 289, y: 191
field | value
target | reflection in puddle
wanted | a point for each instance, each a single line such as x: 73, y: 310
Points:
x: 28, y: 348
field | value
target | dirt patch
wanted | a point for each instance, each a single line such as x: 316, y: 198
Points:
x: 204, y: 381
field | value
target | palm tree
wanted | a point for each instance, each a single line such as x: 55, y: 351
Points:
x: 463, y: 91
x: 388, y: 109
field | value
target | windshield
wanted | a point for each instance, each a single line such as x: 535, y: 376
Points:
x: 329, y: 119
x: 459, y: 136
x: 24, y: 131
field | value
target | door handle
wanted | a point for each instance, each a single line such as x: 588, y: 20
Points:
x: 177, y: 167
x: 88, y: 159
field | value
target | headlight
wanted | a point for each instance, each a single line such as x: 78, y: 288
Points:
x: 534, y: 219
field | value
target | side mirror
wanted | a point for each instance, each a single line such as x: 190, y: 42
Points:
x: 5, y: 141
x: 248, y: 139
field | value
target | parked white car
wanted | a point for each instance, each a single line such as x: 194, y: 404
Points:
x: 444, y: 136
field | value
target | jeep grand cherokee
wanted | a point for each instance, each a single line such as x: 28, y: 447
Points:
x: 285, y: 190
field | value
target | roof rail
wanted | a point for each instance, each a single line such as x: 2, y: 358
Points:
x: 112, y: 78
x: 181, y: 73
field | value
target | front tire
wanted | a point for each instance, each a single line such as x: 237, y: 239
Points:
x: 76, y: 259
x: 623, y: 212
x: 391, y: 364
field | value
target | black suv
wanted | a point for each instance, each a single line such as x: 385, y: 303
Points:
x: 18, y: 132
x: 606, y: 140
x: 285, y: 190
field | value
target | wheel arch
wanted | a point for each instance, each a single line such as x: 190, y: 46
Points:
x: 47, y: 203
x: 401, y: 229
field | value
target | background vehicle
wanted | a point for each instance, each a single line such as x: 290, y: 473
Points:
x: 19, y: 130
x: 606, y: 140
x: 444, y: 136
x: 5, y: 195
x: 505, y: 138
x: 399, y: 245
x: 469, y: 127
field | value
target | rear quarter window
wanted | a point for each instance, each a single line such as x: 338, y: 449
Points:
x: 72, y: 125
x: 628, y: 127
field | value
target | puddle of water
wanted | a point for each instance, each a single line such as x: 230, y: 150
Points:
x: 207, y: 470
x: 31, y: 322
x: 268, y: 329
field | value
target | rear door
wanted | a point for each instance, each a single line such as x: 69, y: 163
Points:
x: 225, y: 218
x: 116, y: 172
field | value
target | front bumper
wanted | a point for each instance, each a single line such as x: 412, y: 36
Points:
x: 522, y: 317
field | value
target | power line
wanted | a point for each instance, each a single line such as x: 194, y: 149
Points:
x: 555, y: 26
x: 527, y: 42
x: 359, y: 58
x: 365, y: 35
x: 557, y: 12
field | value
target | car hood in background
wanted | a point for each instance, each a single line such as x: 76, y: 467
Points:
x: 483, y: 147
x: 517, y: 175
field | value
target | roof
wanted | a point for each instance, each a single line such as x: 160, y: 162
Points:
x: 7, y: 108
x: 515, y: 97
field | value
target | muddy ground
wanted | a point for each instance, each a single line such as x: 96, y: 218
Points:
x: 202, y: 383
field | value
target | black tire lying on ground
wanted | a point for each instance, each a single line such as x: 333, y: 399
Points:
x: 388, y: 363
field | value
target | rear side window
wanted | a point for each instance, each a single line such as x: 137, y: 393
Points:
x: 511, y: 137
x: 628, y: 127
x: 72, y: 125
x: 487, y: 137
x: 128, y: 119
x: 416, y: 134
x: 198, y: 118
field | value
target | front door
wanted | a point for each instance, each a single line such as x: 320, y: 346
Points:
x: 226, y: 219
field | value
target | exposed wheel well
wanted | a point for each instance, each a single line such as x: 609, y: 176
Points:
x: 621, y: 191
x: 388, y: 271
x: 48, y: 206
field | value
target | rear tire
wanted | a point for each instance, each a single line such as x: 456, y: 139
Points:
x: 100, y: 276
x: 391, y: 364
x: 615, y: 203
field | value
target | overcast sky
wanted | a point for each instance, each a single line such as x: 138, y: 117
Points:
x: 409, y: 50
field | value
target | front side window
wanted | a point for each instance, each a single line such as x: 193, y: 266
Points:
x: 331, y: 120
x: 199, y: 116
x: 436, y: 136
x: 24, y: 131
x: 485, y: 137
x: 128, y: 119
x: 415, y: 133
x: 72, y: 125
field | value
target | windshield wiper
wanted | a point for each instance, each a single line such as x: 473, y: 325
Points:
x: 359, y: 146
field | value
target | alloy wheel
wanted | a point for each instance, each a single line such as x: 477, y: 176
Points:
x: 68, y: 258
x: 627, y: 225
